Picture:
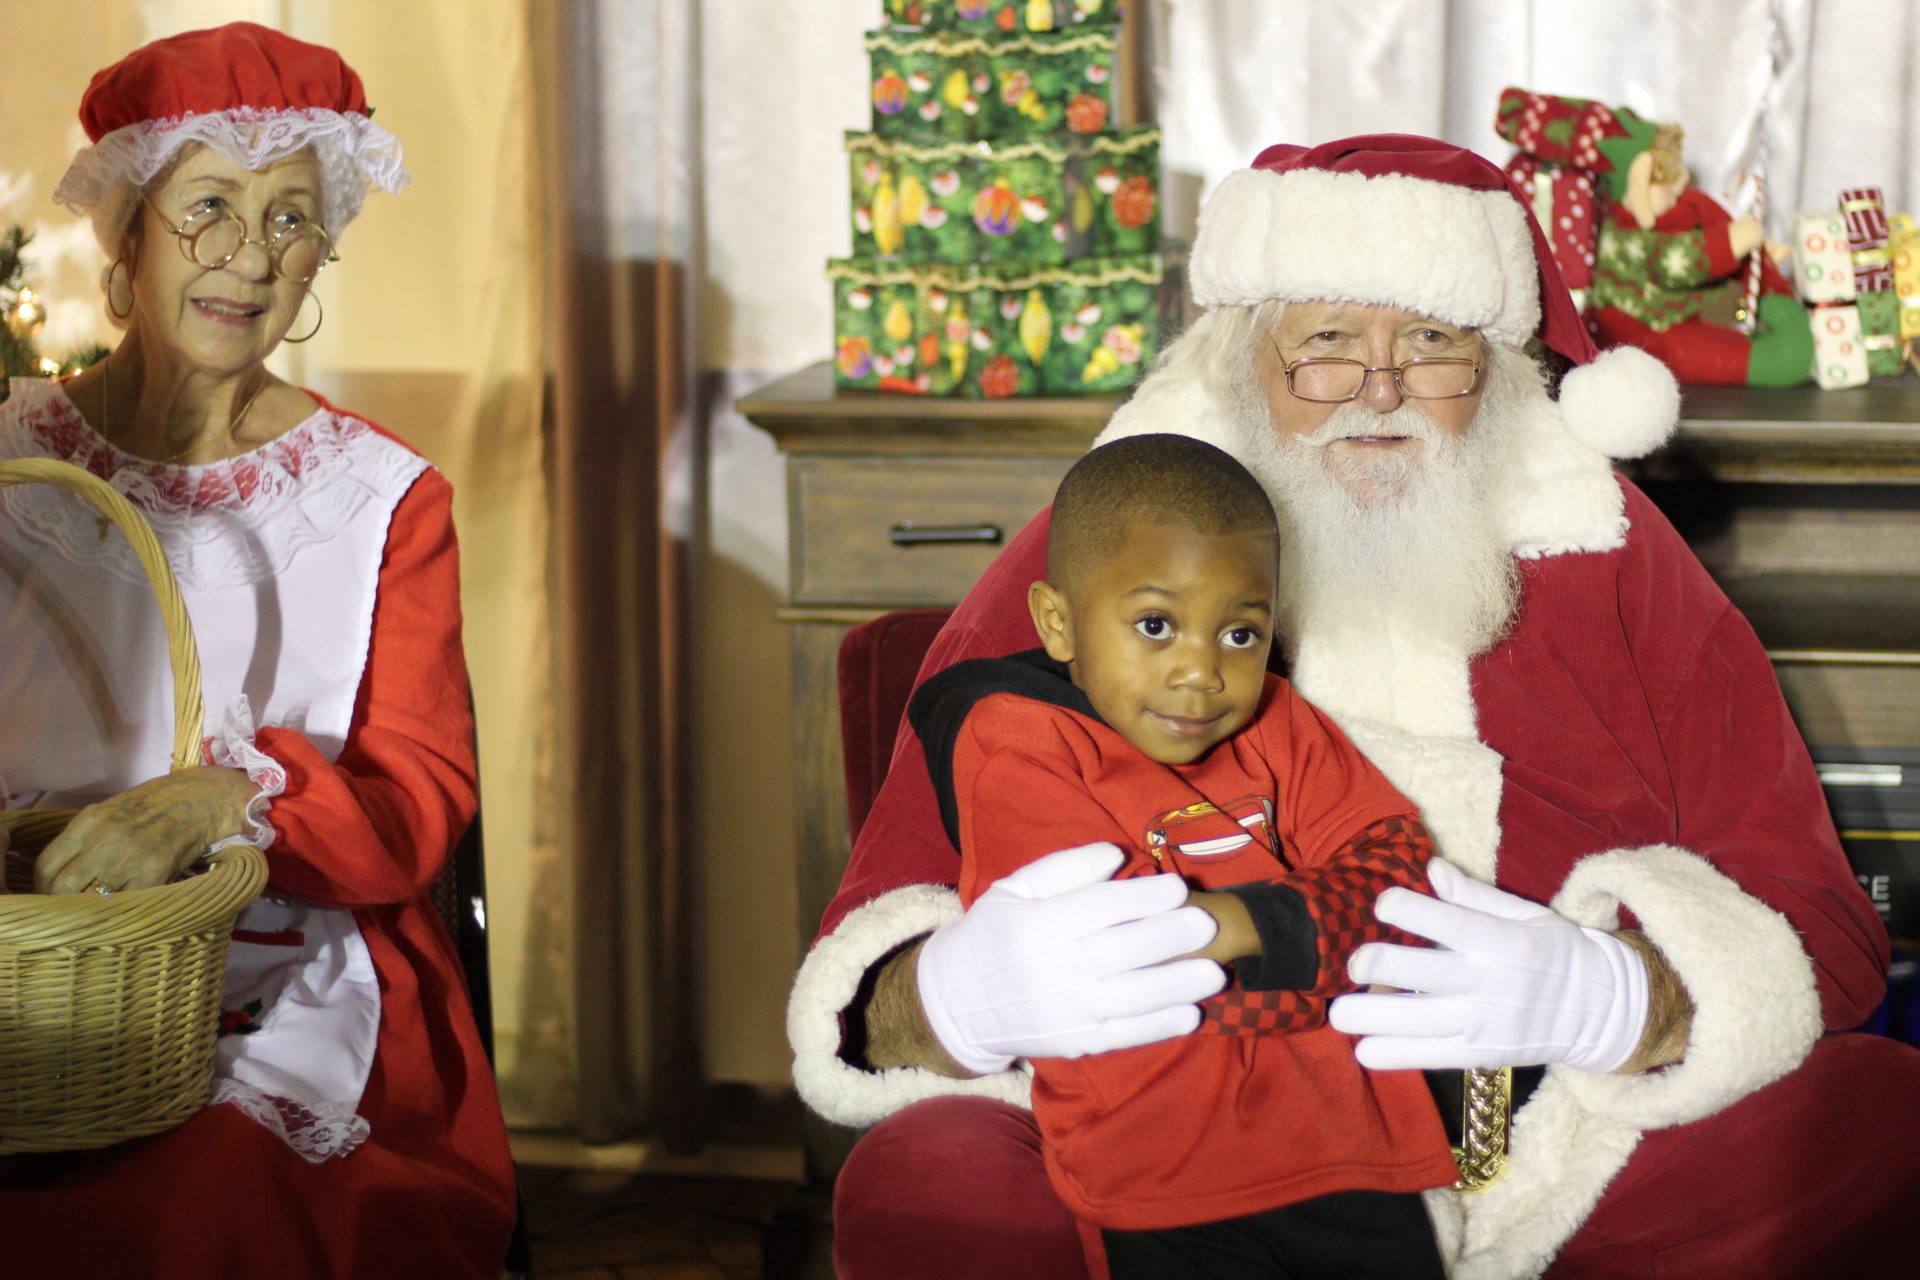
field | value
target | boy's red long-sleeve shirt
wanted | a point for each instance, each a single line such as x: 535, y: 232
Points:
x: 1266, y: 1106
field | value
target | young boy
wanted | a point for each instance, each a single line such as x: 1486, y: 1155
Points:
x: 1257, y: 1146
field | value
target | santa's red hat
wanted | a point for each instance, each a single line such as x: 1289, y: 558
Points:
x: 1414, y: 223
x: 246, y: 90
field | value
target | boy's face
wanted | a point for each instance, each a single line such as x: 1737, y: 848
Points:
x: 1168, y: 636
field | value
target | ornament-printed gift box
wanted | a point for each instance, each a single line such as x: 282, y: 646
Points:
x: 1088, y: 326
x: 874, y: 196
x: 1839, y: 354
x: 888, y: 332
x: 1017, y: 201
x: 958, y: 84
x: 1012, y: 327
x: 929, y: 86
x: 1001, y: 15
x: 937, y: 186
x: 1822, y: 256
x: 1051, y: 83
x: 1106, y: 323
x: 1114, y: 192
x: 997, y: 331
x: 1046, y: 200
x: 962, y: 201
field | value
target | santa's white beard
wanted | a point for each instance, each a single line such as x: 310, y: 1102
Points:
x: 1388, y: 542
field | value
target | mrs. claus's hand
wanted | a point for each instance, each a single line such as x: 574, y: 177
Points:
x: 147, y: 834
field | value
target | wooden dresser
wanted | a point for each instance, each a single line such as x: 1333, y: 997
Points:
x: 1805, y: 505
x: 892, y: 503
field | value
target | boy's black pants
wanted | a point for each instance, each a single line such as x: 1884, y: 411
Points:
x: 1353, y: 1235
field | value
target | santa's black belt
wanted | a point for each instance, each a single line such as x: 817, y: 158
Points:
x: 1476, y: 1108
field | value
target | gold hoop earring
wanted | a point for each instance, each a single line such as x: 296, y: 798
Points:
x: 106, y: 284
x: 317, y: 323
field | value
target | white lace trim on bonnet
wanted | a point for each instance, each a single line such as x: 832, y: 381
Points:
x: 355, y: 154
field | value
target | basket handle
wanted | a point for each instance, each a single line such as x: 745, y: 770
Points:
x: 189, y: 707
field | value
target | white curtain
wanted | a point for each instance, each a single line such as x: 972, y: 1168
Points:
x: 1812, y: 96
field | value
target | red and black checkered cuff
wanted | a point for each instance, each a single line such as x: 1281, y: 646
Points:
x: 1340, y: 893
x: 1239, y: 1012
x: 1338, y: 897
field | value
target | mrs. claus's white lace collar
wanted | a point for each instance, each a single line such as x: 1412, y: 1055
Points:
x: 224, y: 524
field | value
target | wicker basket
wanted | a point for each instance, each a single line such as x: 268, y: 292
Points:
x: 109, y: 1006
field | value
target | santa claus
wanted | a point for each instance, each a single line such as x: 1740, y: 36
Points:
x: 1648, y: 942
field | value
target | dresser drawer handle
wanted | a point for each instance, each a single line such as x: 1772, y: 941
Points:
x: 908, y: 535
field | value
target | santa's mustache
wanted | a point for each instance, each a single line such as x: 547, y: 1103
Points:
x: 1354, y: 421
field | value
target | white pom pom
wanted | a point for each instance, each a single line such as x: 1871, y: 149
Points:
x: 1624, y: 404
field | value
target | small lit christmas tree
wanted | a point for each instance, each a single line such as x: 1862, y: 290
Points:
x: 24, y: 314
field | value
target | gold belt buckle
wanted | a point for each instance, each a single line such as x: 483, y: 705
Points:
x: 1486, y: 1123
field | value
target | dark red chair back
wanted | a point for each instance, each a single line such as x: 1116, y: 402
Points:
x: 878, y: 662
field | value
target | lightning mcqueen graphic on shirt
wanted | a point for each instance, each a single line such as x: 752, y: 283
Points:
x: 1205, y: 832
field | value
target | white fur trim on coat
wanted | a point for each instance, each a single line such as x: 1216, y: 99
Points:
x: 1179, y: 405
x: 1562, y: 496
x: 829, y: 978
x: 1757, y: 1015
x: 1433, y: 248
x: 1757, y: 1011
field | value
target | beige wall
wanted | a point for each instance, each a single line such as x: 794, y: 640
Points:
x: 780, y: 81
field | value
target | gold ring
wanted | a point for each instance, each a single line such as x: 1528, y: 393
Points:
x: 99, y: 887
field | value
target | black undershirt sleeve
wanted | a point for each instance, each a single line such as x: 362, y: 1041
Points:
x: 1289, y: 958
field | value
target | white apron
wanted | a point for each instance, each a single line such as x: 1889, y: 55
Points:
x: 278, y: 556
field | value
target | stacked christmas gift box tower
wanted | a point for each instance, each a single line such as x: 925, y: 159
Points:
x: 1005, y: 230
x: 1859, y: 272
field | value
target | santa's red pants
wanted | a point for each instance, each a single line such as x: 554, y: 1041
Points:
x: 1815, y: 1176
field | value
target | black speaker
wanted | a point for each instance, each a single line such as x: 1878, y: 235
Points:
x: 1875, y: 797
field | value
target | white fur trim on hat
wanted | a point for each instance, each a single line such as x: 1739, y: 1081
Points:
x: 1625, y: 403
x: 828, y: 981
x: 1462, y: 256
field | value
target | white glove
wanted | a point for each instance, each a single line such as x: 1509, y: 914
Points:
x: 1057, y: 960
x: 1510, y: 983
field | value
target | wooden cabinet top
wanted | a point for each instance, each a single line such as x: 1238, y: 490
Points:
x: 806, y: 413
x: 1865, y: 435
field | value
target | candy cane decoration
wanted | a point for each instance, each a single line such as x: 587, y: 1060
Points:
x: 1750, y: 296
x: 1757, y: 177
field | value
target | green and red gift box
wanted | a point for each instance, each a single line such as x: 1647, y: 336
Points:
x: 972, y: 85
x: 994, y: 330
x: 1045, y: 200
x: 1001, y: 15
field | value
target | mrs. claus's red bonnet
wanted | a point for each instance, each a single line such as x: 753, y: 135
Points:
x: 248, y: 91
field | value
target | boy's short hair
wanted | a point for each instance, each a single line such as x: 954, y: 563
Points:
x: 1158, y: 478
